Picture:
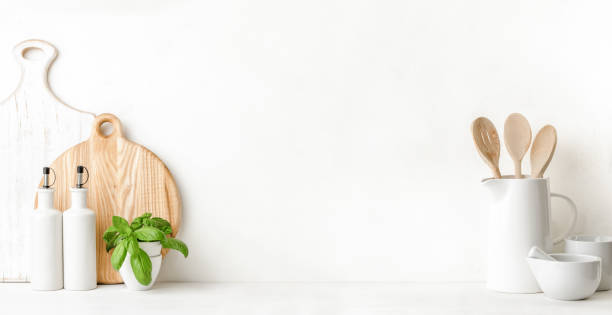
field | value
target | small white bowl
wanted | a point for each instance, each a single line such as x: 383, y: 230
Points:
x: 572, y: 277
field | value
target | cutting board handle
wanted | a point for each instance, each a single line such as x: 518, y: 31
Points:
x: 34, y: 72
x: 97, y: 132
x: 49, y: 51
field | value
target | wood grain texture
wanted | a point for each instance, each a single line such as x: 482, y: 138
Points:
x: 126, y: 179
x: 542, y: 150
x: 486, y: 141
x: 517, y: 136
x: 35, y: 127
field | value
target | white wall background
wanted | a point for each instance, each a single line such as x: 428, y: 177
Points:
x: 329, y: 140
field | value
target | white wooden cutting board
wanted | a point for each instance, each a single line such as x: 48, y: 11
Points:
x: 35, y: 128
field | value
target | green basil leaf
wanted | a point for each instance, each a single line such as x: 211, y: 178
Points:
x: 132, y: 245
x: 139, y: 221
x: 161, y: 224
x: 175, y: 244
x: 149, y: 234
x: 110, y: 240
x: 119, y: 255
x: 116, y: 241
x: 136, y: 225
x: 141, y: 265
x: 121, y: 224
x: 109, y: 235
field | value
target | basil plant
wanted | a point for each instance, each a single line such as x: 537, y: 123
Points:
x: 124, y: 238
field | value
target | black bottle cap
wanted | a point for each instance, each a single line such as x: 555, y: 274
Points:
x: 46, y: 172
x: 80, y: 171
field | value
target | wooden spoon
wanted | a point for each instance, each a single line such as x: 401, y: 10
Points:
x: 542, y: 150
x: 517, y: 135
x: 486, y: 140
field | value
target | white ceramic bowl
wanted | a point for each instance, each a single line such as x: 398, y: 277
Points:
x: 571, y: 277
x: 600, y: 246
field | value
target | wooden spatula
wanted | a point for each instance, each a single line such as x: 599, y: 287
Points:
x: 486, y: 140
x: 517, y: 137
x: 542, y: 150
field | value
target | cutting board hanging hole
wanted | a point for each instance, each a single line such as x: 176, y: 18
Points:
x: 33, y: 54
x: 106, y: 129
x: 108, y: 126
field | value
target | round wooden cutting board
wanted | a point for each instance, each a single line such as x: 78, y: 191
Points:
x: 126, y: 179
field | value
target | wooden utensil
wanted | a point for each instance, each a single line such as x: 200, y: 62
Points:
x: 486, y: 140
x: 126, y: 179
x: 543, y: 150
x: 36, y: 127
x: 517, y: 137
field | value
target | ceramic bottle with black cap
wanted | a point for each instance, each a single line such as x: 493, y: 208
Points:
x: 79, y: 238
x: 46, y: 271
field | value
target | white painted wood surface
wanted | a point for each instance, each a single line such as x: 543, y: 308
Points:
x: 294, y: 298
x: 35, y: 128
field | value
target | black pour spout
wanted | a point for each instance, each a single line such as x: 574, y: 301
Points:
x: 46, y: 172
x: 80, y: 170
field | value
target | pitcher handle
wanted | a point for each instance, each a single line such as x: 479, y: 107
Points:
x: 573, y: 220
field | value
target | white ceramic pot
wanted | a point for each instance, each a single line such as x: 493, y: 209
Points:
x: 571, y: 277
x: 153, y: 249
x: 519, y: 218
x: 600, y: 246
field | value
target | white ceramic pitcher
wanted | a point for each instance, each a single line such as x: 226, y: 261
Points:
x: 519, y: 218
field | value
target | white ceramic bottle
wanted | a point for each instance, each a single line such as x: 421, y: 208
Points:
x: 79, y: 240
x: 46, y: 242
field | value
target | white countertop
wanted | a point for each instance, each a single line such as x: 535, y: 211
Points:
x: 293, y: 298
